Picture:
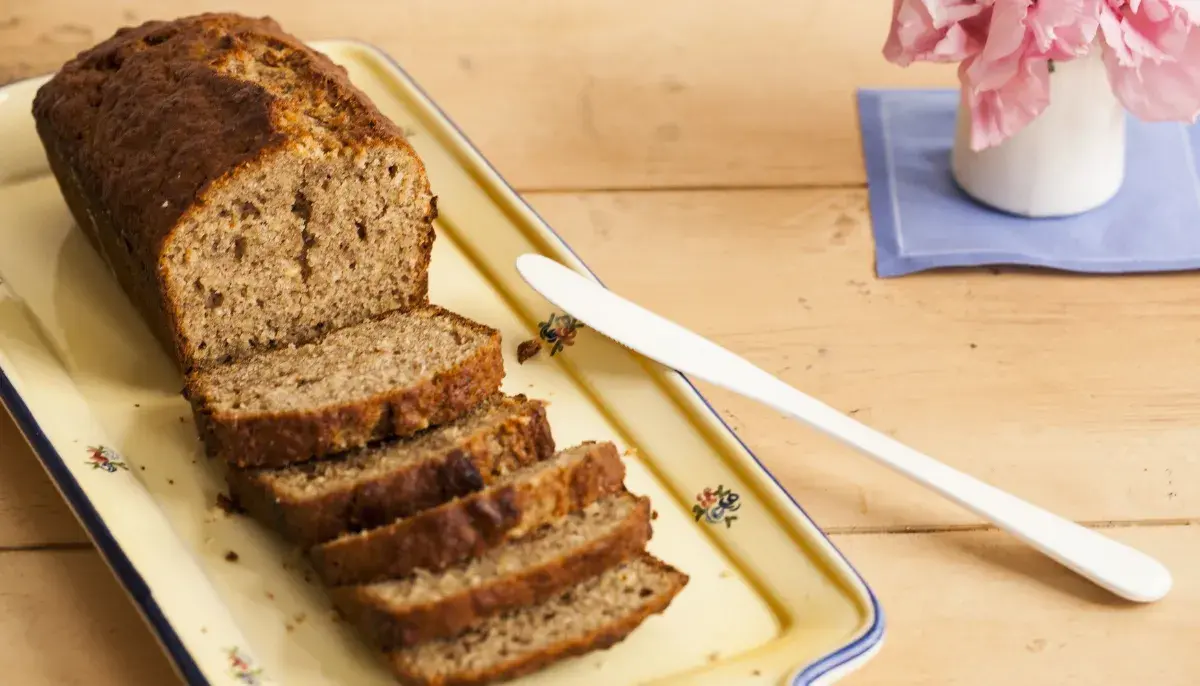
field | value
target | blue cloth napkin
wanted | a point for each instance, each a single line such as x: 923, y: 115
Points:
x: 922, y: 220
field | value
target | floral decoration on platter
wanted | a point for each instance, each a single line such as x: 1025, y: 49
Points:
x: 714, y: 506
x: 559, y: 331
x: 105, y: 458
x: 1006, y: 50
x: 242, y: 667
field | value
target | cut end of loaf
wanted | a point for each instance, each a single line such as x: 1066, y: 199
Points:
x: 303, y: 243
x: 385, y: 378
x: 247, y: 195
x: 322, y: 223
x: 595, y: 614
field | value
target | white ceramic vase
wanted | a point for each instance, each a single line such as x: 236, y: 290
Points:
x: 1068, y: 160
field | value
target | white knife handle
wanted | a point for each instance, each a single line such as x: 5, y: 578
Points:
x: 1125, y: 571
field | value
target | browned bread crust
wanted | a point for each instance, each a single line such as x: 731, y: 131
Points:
x: 466, y: 466
x: 448, y: 616
x: 141, y: 128
x: 450, y: 533
x: 275, y: 439
x: 560, y: 648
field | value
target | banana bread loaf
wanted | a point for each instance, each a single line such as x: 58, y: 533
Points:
x: 244, y: 193
x: 274, y: 229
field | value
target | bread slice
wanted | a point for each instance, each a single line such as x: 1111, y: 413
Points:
x: 392, y: 376
x: 594, y: 615
x: 513, y: 506
x: 428, y: 605
x: 245, y: 194
x: 316, y: 501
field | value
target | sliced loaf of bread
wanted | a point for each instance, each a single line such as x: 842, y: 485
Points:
x: 387, y: 377
x: 595, y: 614
x: 431, y: 605
x: 315, y: 501
x: 513, y: 506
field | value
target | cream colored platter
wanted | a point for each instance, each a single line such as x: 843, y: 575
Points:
x: 770, y: 600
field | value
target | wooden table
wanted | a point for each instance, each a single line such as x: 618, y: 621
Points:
x: 703, y: 157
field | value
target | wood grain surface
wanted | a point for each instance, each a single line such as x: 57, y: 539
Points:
x: 703, y: 158
x: 599, y: 94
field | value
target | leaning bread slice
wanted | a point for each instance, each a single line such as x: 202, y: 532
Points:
x: 432, y: 605
x: 315, y: 501
x: 594, y: 615
x: 513, y: 506
x: 391, y: 376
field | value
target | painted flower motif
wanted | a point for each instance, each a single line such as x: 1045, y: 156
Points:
x: 242, y: 668
x: 714, y: 506
x: 106, y: 459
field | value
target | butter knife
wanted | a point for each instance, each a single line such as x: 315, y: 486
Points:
x: 1112, y: 565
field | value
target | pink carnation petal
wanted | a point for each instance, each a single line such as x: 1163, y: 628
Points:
x: 1063, y: 29
x: 1159, y: 91
x: 999, y: 113
x: 999, y: 60
x: 930, y: 30
x: 1153, y: 30
x: 1152, y: 55
x: 955, y: 46
x: 954, y: 12
x: 1110, y: 29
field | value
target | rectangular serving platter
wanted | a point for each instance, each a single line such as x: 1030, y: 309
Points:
x: 770, y: 601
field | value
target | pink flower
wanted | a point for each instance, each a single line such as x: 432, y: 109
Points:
x: 1149, y: 48
x: 935, y: 30
x: 1007, y: 85
x: 1152, y: 54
